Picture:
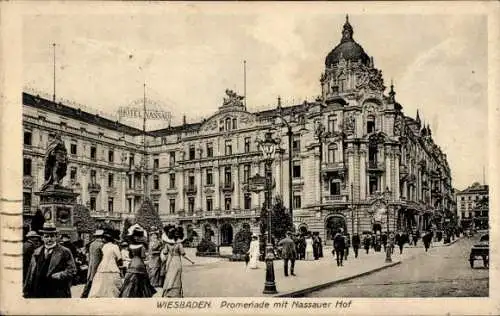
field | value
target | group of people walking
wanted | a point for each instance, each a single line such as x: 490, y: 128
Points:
x: 137, y: 270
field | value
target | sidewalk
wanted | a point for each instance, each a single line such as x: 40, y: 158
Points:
x: 215, y: 277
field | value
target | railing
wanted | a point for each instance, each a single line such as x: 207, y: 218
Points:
x: 190, y: 189
x: 332, y: 166
x: 336, y: 198
x: 101, y: 214
x: 375, y: 165
x: 227, y: 187
x: 94, y: 187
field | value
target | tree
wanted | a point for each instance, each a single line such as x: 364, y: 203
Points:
x: 280, y: 219
x: 37, y: 221
x: 242, y: 240
x: 82, y: 220
x: 147, y: 216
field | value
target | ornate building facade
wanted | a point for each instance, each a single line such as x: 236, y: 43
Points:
x: 349, y: 145
x: 473, y: 206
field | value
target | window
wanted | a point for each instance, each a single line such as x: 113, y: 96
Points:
x: 156, y: 182
x: 156, y: 163
x: 72, y: 174
x: 210, y: 150
x: 246, y: 173
x: 372, y: 154
x: 73, y: 149
x: 370, y: 124
x: 27, y: 138
x: 228, y: 148
x: 332, y: 123
x: 247, y: 144
x: 156, y: 205
x: 131, y: 160
x: 191, y: 181
x: 210, y: 180
x: 93, y: 153
x: 334, y: 187
x: 110, y: 205
x: 172, y: 180
x: 373, y: 184
x: 93, y: 177
x: 111, y: 156
x: 235, y: 123
x: 228, y: 124
x: 296, y: 143
x: 332, y: 152
x: 191, y: 153
x: 27, y: 167
x: 227, y: 176
x: 171, y: 206
x: 111, y: 180
x: 191, y: 205
x: 92, y: 203
x: 129, y: 181
x: 210, y: 204
x: 129, y: 205
x: 172, y: 158
x: 297, y: 202
x: 296, y: 169
x: 227, y: 203
x: 247, y: 202
x: 26, y: 200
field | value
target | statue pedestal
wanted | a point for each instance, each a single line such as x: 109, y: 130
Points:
x: 57, y: 204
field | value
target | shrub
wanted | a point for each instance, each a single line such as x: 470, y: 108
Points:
x: 206, y: 246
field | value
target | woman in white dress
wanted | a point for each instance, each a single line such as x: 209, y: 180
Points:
x: 107, y: 280
x: 309, y: 248
x: 254, y: 252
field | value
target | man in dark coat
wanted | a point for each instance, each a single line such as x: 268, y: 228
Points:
x: 427, y: 240
x: 347, y: 238
x: 51, y: 269
x: 356, y: 242
x: 339, y: 246
x: 32, y: 242
x: 367, y: 242
x: 95, y: 257
x: 316, y: 245
x: 383, y: 240
x: 288, y: 253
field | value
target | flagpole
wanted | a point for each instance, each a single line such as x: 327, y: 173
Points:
x: 245, y: 83
x: 54, y: 72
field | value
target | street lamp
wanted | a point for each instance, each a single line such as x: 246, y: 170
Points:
x: 268, y: 148
x: 289, y: 133
x: 386, y: 196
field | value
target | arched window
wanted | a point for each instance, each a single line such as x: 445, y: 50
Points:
x: 228, y: 124
x: 370, y: 124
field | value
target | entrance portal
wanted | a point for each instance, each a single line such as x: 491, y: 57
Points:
x: 226, y: 231
x: 333, y: 224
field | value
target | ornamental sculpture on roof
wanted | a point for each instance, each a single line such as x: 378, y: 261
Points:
x: 233, y: 99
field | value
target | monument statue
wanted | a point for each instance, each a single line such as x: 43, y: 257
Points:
x: 56, y: 163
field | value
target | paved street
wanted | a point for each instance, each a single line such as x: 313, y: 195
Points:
x: 443, y: 271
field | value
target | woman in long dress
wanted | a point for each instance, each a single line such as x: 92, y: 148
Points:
x: 154, y: 264
x: 136, y: 283
x: 254, y: 252
x: 309, y: 248
x: 172, y: 254
x: 107, y: 280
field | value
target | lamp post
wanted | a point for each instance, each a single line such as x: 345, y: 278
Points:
x: 268, y: 148
x: 388, y: 249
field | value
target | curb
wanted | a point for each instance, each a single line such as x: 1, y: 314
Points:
x: 314, y: 288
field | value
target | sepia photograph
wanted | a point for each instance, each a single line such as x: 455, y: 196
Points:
x: 281, y: 158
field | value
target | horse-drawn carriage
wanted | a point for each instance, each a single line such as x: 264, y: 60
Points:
x: 480, y: 251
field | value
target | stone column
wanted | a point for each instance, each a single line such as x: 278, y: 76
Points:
x: 123, y: 184
x: 216, y: 173
x: 278, y: 174
x: 397, y: 189
x: 387, y: 160
x: 237, y: 187
x: 351, y: 172
x: 181, y: 191
x: 199, y: 193
x: 362, y: 172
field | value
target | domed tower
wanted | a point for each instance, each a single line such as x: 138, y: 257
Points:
x: 348, y: 68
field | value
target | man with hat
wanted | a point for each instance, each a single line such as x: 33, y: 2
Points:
x: 51, y: 269
x: 95, y: 257
x: 33, y: 241
x: 288, y: 252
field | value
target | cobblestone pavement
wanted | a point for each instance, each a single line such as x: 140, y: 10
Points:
x: 442, y: 272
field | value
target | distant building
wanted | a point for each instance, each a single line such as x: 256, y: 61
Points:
x: 473, y: 206
x: 196, y: 174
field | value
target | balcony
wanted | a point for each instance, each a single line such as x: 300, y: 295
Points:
x: 190, y: 189
x: 332, y: 166
x: 336, y: 199
x: 134, y: 191
x: 111, y: 190
x: 105, y: 215
x: 94, y: 188
x: 227, y: 187
x: 375, y: 166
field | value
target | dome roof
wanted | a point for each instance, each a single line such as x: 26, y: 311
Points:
x: 347, y: 48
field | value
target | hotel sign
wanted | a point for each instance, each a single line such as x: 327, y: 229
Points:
x: 137, y: 113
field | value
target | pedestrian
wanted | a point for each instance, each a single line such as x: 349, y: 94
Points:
x: 339, y: 246
x: 51, y: 270
x: 356, y: 242
x: 367, y: 242
x: 316, y: 245
x: 253, y: 252
x: 33, y: 241
x: 173, y: 252
x: 347, y: 238
x: 95, y: 257
x: 301, y: 247
x: 288, y: 253
x: 416, y: 237
x: 427, y: 240
x: 136, y: 283
x: 309, y: 248
x: 154, y: 263
x: 124, y: 251
x: 107, y: 280
x: 383, y: 240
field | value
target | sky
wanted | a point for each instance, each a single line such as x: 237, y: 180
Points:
x: 188, y: 58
